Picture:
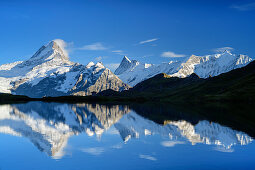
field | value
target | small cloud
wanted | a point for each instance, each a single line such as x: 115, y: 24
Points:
x: 112, y: 66
x: 170, y: 143
x: 149, y: 55
x: 148, y: 41
x: 171, y: 54
x: 244, y: 7
x: 93, y: 151
x: 148, y: 157
x: 120, y: 52
x: 94, y: 47
x: 223, y: 49
x: 117, y: 51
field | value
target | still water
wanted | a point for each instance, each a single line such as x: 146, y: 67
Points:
x: 38, y: 135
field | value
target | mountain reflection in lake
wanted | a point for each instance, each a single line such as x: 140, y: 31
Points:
x: 72, y: 132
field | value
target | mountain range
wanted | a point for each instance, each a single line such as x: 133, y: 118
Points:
x: 49, y: 72
x: 234, y: 86
x: 133, y: 72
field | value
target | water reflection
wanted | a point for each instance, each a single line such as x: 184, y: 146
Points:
x: 49, y: 126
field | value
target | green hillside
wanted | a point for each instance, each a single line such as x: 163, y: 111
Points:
x: 236, y: 85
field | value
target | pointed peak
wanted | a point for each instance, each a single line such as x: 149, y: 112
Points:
x: 54, y: 49
x: 99, y: 64
x: 124, y: 65
x: 57, y: 45
x: 227, y: 52
x: 125, y: 58
x: 54, y: 44
x: 90, y: 64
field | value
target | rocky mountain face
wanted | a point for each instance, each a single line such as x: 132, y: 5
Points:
x: 49, y: 126
x: 133, y: 72
x: 50, y: 73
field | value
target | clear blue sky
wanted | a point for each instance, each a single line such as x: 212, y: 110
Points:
x: 105, y: 30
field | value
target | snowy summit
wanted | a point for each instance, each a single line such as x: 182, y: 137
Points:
x: 133, y: 72
x: 50, y: 73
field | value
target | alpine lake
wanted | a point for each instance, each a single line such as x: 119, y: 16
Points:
x: 48, y: 135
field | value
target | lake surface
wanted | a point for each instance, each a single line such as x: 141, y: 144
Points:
x: 38, y: 135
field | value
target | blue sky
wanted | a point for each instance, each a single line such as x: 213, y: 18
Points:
x: 152, y: 31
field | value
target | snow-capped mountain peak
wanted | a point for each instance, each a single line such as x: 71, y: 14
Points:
x: 133, y: 72
x: 228, y: 52
x: 50, y: 73
x: 126, y: 59
x: 90, y: 64
x: 51, y: 51
x: 124, y: 65
x: 100, y: 65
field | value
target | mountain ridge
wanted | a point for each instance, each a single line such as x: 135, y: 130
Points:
x: 203, y: 66
x: 236, y: 85
x: 49, y: 72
